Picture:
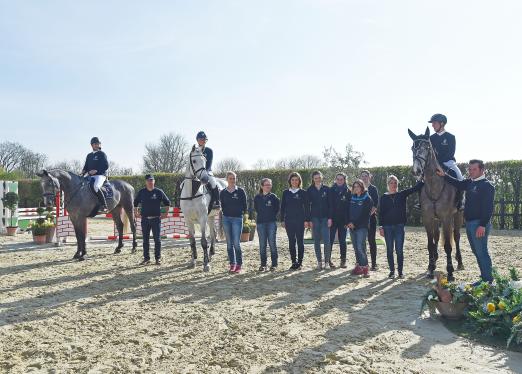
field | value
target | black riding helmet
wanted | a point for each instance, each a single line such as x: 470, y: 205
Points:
x: 95, y: 140
x: 201, y: 135
x: 438, y: 118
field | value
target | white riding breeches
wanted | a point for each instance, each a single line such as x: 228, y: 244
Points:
x: 98, y: 181
x: 453, y: 166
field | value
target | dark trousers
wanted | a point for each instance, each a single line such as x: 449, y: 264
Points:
x: 394, y: 237
x: 338, y: 227
x: 371, y: 239
x: 154, y: 224
x: 295, y: 232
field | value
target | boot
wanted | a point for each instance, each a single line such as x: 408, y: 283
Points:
x: 101, y: 199
x: 215, y: 198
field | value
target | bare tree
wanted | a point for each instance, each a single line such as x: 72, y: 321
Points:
x: 74, y: 166
x: 117, y: 170
x: 263, y: 164
x: 11, y: 154
x: 31, y: 163
x: 169, y: 155
x: 300, y: 162
x: 349, y: 160
x: 228, y: 164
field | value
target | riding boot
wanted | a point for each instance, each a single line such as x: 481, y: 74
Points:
x: 101, y: 199
x: 215, y: 198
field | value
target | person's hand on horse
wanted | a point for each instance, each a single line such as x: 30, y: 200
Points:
x: 481, y: 232
x: 440, y: 172
x: 92, y: 172
x: 381, y: 231
x: 330, y: 222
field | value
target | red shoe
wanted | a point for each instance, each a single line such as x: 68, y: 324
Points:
x: 365, y: 271
x: 237, y: 270
x: 232, y: 268
x: 356, y: 270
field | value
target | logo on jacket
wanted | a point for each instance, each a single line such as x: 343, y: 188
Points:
x: 343, y: 198
x: 444, y: 142
x: 296, y: 196
x: 234, y: 196
x: 269, y: 203
x: 95, y: 158
x: 154, y: 197
x: 324, y: 194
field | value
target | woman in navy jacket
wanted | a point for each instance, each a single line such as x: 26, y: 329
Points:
x: 266, y: 205
x: 338, y: 204
x: 392, y: 218
x: 361, y: 206
x: 318, y: 221
x: 294, y: 213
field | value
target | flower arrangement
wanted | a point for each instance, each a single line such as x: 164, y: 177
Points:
x: 490, y: 309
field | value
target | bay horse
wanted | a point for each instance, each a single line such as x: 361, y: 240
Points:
x: 438, y: 206
x: 81, y: 203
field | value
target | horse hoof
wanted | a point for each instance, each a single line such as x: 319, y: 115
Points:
x: 192, y: 264
x: 81, y: 258
x: 460, y: 267
x: 206, y: 268
x: 117, y: 250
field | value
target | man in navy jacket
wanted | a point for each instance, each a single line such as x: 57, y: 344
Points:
x: 478, y: 211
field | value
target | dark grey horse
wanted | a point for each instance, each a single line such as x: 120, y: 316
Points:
x: 81, y: 203
x: 438, y: 204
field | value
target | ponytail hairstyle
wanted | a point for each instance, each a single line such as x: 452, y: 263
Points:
x: 315, y: 173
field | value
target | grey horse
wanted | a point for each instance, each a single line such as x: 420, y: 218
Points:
x: 438, y: 204
x: 194, y: 203
x: 81, y: 203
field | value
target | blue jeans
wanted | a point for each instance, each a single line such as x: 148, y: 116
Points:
x: 233, y: 227
x: 358, y: 237
x: 338, y: 226
x: 267, y: 233
x: 320, y: 231
x: 147, y: 225
x: 479, y: 246
x: 394, y: 237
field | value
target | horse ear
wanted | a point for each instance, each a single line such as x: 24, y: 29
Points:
x: 427, y: 133
x: 43, y: 173
x: 412, y: 135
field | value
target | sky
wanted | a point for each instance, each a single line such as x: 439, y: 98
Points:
x: 264, y: 79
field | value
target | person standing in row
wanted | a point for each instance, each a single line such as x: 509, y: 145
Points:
x: 366, y: 177
x: 392, y: 218
x: 338, y: 205
x: 361, y: 207
x: 478, y: 210
x: 150, y: 198
x: 318, y: 221
x: 233, y: 205
x: 294, y: 212
x: 266, y: 206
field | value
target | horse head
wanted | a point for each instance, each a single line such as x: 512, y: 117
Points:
x: 50, y: 186
x: 197, y: 165
x: 421, y: 150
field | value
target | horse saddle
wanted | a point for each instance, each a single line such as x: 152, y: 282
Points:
x: 107, y: 189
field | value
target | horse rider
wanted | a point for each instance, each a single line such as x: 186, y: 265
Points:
x: 202, y: 139
x: 444, y: 144
x: 96, y: 165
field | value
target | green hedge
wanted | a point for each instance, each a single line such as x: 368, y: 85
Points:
x: 506, y: 176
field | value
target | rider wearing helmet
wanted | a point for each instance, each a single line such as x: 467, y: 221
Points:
x: 96, y: 165
x: 444, y: 145
x: 202, y: 139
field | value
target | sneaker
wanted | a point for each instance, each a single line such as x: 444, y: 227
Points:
x: 391, y: 275
x: 326, y: 266
x: 299, y: 266
x: 158, y: 261
x: 332, y: 266
x: 356, y: 270
x: 365, y: 271
x: 273, y: 268
x: 232, y: 268
x: 237, y: 270
x: 293, y: 267
x: 145, y: 262
x: 262, y: 268
x: 319, y: 265
x: 401, y: 276
x: 374, y: 268
x: 343, y: 264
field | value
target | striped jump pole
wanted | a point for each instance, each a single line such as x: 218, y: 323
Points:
x: 129, y: 237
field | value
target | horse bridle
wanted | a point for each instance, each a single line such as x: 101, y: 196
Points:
x: 194, y: 171
x: 424, y: 162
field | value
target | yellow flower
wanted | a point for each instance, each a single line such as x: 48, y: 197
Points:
x: 501, y: 305
x: 517, y: 318
x: 490, y: 307
x: 444, y: 282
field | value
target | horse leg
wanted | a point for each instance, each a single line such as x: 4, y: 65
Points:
x: 79, y: 225
x: 447, y: 232
x: 129, y: 210
x: 204, y: 243
x: 432, y: 249
x: 458, y: 218
x: 193, y: 248
x: 116, y: 217
x: 212, y: 228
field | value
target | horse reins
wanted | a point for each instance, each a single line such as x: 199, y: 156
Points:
x: 194, y: 177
